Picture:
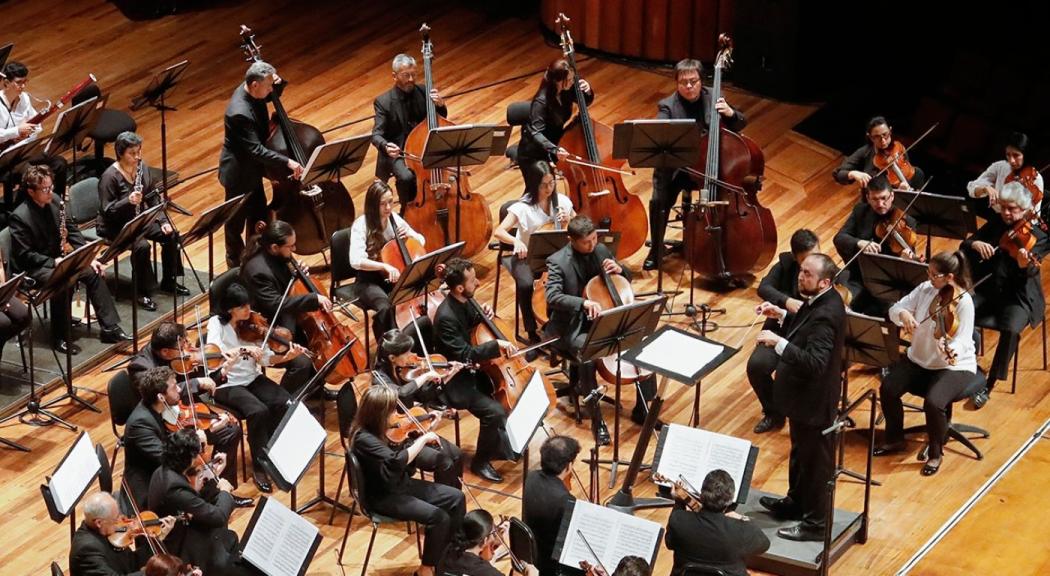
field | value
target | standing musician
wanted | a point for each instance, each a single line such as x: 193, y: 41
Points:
x: 690, y: 101
x: 397, y: 112
x: 936, y: 368
x: 1014, y: 293
x: 123, y: 192
x: 245, y: 157
x: 534, y: 211
x: 858, y: 235
x: 545, y: 498
x: 247, y: 390
x: 805, y: 389
x: 266, y: 273
x: 91, y: 553
x: 992, y: 180
x: 398, y: 367
x: 14, y: 314
x: 38, y: 228
x: 859, y: 167
x: 473, y: 548
x: 389, y: 486
x: 369, y: 233
x: 455, y: 321
x: 550, y: 111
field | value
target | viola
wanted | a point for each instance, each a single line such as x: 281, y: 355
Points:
x: 325, y: 335
x: 943, y: 310
x: 509, y: 374
x: 1027, y: 176
x: 613, y: 291
x: 893, y: 160
x: 901, y: 237
x: 126, y: 529
x: 254, y: 329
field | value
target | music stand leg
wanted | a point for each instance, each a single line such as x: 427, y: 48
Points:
x: 34, y: 414
x: 321, y: 497
x: 624, y: 500
x: 840, y: 464
x: 14, y: 445
x: 71, y: 390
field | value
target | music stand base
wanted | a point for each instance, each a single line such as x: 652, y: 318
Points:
x: 857, y: 476
x: 71, y: 395
x: 35, y: 415
x: 322, y: 499
x: 626, y: 502
x: 14, y: 445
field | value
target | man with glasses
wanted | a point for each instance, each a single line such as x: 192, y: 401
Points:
x: 690, y: 101
x: 397, y: 112
x: 859, y: 167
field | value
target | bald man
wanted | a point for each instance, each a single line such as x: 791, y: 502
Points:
x: 91, y: 553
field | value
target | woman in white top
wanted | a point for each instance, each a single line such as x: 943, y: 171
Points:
x: 249, y: 393
x: 938, y: 369
x: 369, y: 233
x: 528, y: 215
x: 992, y: 180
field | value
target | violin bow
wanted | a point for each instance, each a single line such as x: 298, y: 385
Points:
x: 155, y: 544
x: 189, y: 393
x: 518, y: 564
x: 551, y: 432
x: 908, y: 149
x: 422, y: 342
x: 408, y: 415
x: 591, y: 550
x: 969, y: 290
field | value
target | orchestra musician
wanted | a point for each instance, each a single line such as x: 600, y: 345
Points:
x: 14, y: 314
x: 859, y: 167
x: 245, y: 157
x: 169, y: 565
x: 397, y: 112
x: 690, y: 101
x: 91, y: 553
x: 534, y: 211
x: 124, y: 190
x: 934, y: 368
x: 1014, y: 293
x: 992, y: 180
x: 473, y: 548
x: 545, y: 498
x: 398, y: 367
x: 389, y: 487
x: 38, y: 227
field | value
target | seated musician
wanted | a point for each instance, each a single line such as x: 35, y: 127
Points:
x: 91, y: 553
x: 545, y: 497
x: 36, y: 244
x: 369, y: 233
x: 454, y: 323
x: 473, y: 549
x: 248, y: 391
x: 183, y: 485
x: 397, y: 112
x: 858, y: 235
x: 533, y: 212
x: 934, y: 368
x: 390, y: 489
x: 14, y: 314
x: 1014, y: 292
x: 125, y: 189
x: 16, y: 108
x: 169, y: 565
x: 992, y: 180
x: 709, y: 532
x: 858, y: 168
x: 690, y: 101
x: 266, y: 273
x: 393, y: 364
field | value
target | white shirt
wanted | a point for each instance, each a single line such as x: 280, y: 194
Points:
x: 995, y: 176
x: 359, y: 238
x: 924, y: 349
x: 531, y: 217
x: 246, y: 369
x: 12, y: 116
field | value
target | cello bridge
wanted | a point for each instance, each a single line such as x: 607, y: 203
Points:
x: 603, y: 192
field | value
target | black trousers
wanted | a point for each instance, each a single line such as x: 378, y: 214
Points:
x: 438, y: 507
x: 584, y: 376
x: 98, y: 294
x: 375, y: 297
x: 446, y: 463
x: 811, y: 466
x: 464, y: 392
x: 226, y: 440
x: 1010, y: 318
x: 241, y: 225
x: 261, y: 405
x: 667, y: 185
x: 760, y: 367
x: 524, y: 287
x: 297, y: 373
x: 938, y: 388
x: 14, y: 317
x: 404, y: 177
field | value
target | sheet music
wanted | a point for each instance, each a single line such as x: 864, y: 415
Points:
x: 611, y: 533
x: 527, y: 414
x: 280, y: 540
x: 296, y: 444
x: 693, y: 452
x: 680, y: 353
x: 77, y: 471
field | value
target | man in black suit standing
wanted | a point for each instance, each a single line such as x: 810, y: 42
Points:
x: 690, y: 101
x: 545, y: 498
x: 397, y: 112
x: 805, y: 389
x: 91, y: 554
x: 245, y: 157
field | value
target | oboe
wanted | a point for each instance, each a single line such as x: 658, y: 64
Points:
x: 138, y: 188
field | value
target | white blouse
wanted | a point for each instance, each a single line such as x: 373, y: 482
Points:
x: 531, y: 217
x: 12, y: 116
x: 246, y: 369
x: 924, y: 349
x: 995, y: 176
x: 359, y: 238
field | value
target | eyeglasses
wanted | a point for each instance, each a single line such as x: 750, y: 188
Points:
x: 688, y: 82
x: 936, y: 276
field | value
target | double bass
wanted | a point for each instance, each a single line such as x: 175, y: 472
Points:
x: 594, y: 176
x: 731, y: 234
x: 315, y: 212
x: 445, y: 209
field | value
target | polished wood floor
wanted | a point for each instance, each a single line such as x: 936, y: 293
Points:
x: 336, y: 56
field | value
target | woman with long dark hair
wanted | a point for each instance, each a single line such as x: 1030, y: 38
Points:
x: 991, y: 181
x: 474, y: 546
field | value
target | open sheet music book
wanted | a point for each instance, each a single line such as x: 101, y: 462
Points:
x: 611, y: 533
x: 298, y: 439
x: 278, y: 541
x: 693, y: 452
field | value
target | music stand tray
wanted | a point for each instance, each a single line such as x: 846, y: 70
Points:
x: 5, y: 51
x: 67, y: 270
x: 12, y: 158
x: 890, y: 278
x: 871, y: 341
x: 212, y: 219
x: 457, y: 146
x: 336, y: 159
x: 938, y: 215
x: 72, y: 127
x: 420, y: 276
x: 657, y: 144
x: 161, y: 83
x: 130, y: 233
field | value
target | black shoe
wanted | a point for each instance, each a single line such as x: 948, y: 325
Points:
x: 768, y: 424
x: 650, y: 262
x: 147, y: 303
x: 113, y: 335
x: 486, y: 471
x: 62, y: 347
x: 930, y: 469
x: 173, y: 287
x: 800, y: 534
x: 75, y: 322
x: 262, y: 482
x: 603, y: 434
x: 980, y: 399
x: 887, y: 449
x: 242, y: 501
x: 782, y: 508
x: 532, y: 355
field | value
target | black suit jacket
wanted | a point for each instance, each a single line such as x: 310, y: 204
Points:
x: 546, y: 125
x: 394, y: 121
x: 245, y: 157
x: 566, y: 279
x: 781, y: 282
x: 454, y: 322
x: 863, y: 160
x: 1007, y: 276
x: 146, y: 359
x: 114, y: 209
x: 861, y: 226
x: 673, y: 107
x: 35, y: 237
x: 544, y: 500
x: 808, y: 373
x: 144, y: 436
x: 205, y: 539
x: 91, y: 554
x: 712, y: 539
x: 266, y: 278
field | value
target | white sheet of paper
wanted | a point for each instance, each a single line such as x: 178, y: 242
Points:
x: 611, y: 533
x: 298, y: 441
x: 280, y: 540
x: 679, y: 353
x: 693, y: 452
x: 78, y: 470
x: 526, y: 416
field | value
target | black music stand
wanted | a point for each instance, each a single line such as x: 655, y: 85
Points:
x: 12, y: 158
x: 71, y: 128
x: 208, y: 223
x: 890, y: 278
x: 612, y: 332
x: 57, y: 514
x: 7, y: 291
x: 336, y: 159
x: 5, y: 51
x: 420, y: 276
x: 153, y: 96
x: 125, y: 241
x: 938, y: 215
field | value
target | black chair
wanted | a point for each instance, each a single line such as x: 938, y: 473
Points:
x: 341, y: 272
x: 56, y: 570
x: 110, y: 123
x: 105, y: 473
x: 122, y: 400
x: 958, y: 431
x: 517, y: 115
x: 989, y: 322
x: 84, y: 205
x: 522, y: 542
x: 5, y: 251
x: 504, y: 252
x: 221, y: 283
x: 345, y: 408
x: 694, y: 569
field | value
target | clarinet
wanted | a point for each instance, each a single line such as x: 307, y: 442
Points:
x: 138, y: 188
x: 63, y: 234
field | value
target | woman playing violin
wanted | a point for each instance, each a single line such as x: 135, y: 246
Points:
x: 938, y: 318
x: 473, y: 548
x: 415, y: 379
x: 534, y: 211
x: 169, y: 565
x: 859, y: 167
x: 1013, y: 167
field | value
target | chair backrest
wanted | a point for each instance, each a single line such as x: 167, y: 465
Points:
x: 356, y: 482
x: 518, y: 113
x: 693, y: 569
x: 522, y: 541
x: 5, y: 247
x: 105, y: 473
x: 84, y: 202
x: 340, y: 251
x: 123, y: 397
x: 219, y: 286
x: 90, y: 91
x: 503, y: 209
x: 346, y: 409
x: 56, y: 570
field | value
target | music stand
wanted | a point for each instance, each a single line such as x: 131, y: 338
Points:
x: 153, y: 95
x: 938, y: 215
x: 72, y: 127
x: 5, y: 51
x: 890, y: 278
x: 12, y: 158
x: 208, y: 224
x: 336, y: 159
x: 125, y: 241
x: 420, y: 276
x: 7, y: 291
x: 75, y: 473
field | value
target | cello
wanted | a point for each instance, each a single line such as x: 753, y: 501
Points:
x: 315, y: 212
x: 731, y: 234
x: 613, y: 291
x: 594, y: 176
x: 326, y: 335
x: 445, y: 209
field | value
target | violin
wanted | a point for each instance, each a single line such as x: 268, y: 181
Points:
x: 1027, y: 176
x: 943, y: 310
x: 613, y: 291
x: 254, y: 329
x: 410, y: 425
x: 1019, y: 237
x: 509, y: 374
x: 421, y: 365
x: 901, y: 237
x: 201, y: 416
x: 189, y: 360
x: 148, y: 524
x: 893, y: 160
